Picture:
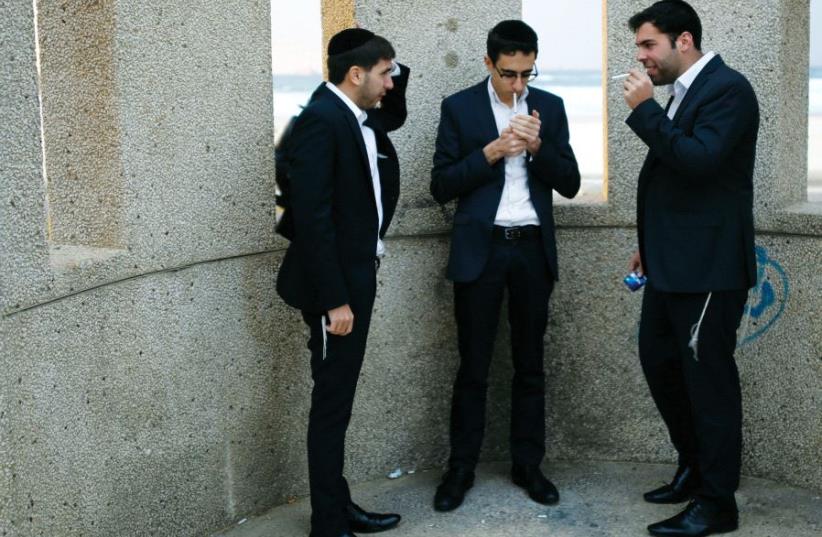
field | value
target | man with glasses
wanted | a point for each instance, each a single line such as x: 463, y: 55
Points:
x: 502, y: 149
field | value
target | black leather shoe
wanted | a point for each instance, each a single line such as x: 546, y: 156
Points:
x: 363, y: 522
x: 531, y: 479
x: 451, y: 492
x: 697, y: 520
x: 681, y: 489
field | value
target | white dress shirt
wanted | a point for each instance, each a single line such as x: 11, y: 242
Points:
x: 515, y: 207
x: 371, y: 148
x: 680, y: 87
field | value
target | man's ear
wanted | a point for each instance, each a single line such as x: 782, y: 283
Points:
x: 355, y: 75
x: 686, y: 41
x: 488, y: 63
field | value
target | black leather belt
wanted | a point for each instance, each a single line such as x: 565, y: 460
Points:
x: 516, y: 232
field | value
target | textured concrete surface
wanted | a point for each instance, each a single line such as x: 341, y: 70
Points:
x: 194, y: 149
x: 156, y: 405
x: 781, y: 86
x: 444, y: 43
x: 157, y: 385
x: 336, y: 15
x: 599, y: 405
x: 24, y: 259
x: 22, y: 247
x: 81, y: 122
x: 596, y: 500
x: 131, y: 374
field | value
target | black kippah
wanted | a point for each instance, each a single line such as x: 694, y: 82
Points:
x: 347, y: 40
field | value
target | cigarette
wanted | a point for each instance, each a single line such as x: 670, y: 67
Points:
x: 515, y: 102
x: 620, y: 77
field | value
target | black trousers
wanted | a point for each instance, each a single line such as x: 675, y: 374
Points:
x: 335, y: 367
x: 699, y: 396
x: 521, y: 267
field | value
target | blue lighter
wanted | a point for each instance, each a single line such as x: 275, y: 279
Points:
x: 633, y: 281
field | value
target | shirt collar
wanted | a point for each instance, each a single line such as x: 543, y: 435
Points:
x: 358, y: 112
x: 683, y: 83
x: 495, y: 98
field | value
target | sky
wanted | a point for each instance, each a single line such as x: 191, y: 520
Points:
x: 560, y: 44
x: 297, y: 34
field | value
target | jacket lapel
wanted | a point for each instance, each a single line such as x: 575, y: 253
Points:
x: 485, y: 112
x: 699, y: 81
x: 356, y: 131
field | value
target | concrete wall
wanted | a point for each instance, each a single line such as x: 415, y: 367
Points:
x: 155, y: 385
x: 142, y: 389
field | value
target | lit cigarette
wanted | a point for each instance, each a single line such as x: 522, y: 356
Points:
x: 620, y: 77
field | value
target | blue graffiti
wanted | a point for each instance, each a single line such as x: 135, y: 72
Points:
x: 767, y: 300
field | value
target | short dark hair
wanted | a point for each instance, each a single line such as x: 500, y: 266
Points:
x: 366, y: 56
x: 509, y: 37
x: 672, y: 17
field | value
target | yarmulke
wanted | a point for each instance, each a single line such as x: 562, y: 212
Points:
x: 347, y: 40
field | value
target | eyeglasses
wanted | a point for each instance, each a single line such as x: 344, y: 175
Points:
x: 511, y: 76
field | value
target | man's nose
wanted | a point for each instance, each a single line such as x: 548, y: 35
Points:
x: 519, y: 83
x: 389, y: 83
x: 640, y: 55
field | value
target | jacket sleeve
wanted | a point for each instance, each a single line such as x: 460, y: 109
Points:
x: 718, y: 127
x: 555, y: 164
x: 312, y: 188
x: 393, y: 111
x: 454, y: 175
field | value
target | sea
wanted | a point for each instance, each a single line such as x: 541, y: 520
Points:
x: 582, y: 93
x: 815, y: 92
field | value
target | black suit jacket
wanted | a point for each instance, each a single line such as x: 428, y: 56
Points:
x: 332, y: 197
x: 460, y: 171
x: 695, y: 191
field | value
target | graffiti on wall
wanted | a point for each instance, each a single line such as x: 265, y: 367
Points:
x: 766, y: 301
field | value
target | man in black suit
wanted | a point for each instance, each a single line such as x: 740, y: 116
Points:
x: 502, y: 149
x: 696, y: 246
x: 343, y: 175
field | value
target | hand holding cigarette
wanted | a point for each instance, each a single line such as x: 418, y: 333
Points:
x: 527, y: 128
x: 507, y: 145
x: 637, y: 88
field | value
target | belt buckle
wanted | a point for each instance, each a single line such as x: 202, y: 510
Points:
x: 512, y: 233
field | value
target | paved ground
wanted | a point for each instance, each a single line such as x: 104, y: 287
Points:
x: 597, y: 500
